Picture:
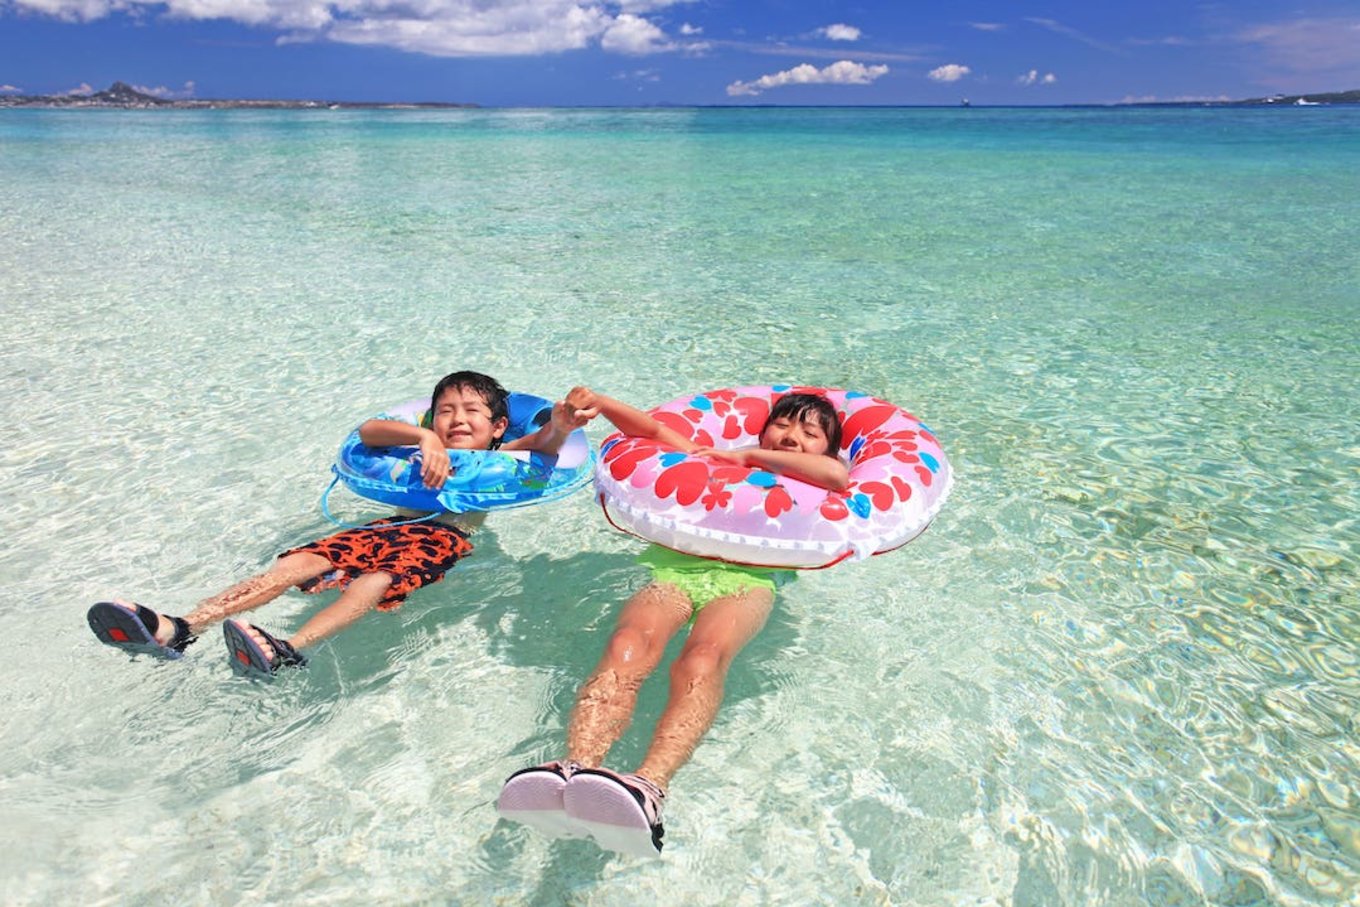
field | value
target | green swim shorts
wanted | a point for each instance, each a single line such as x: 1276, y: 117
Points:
x: 704, y: 580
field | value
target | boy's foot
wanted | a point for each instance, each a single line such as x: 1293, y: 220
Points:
x: 135, y: 628
x: 255, y: 650
x: 621, y: 811
x: 533, y: 797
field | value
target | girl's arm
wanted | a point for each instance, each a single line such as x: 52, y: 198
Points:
x: 815, y: 469
x: 634, y: 422
x: 567, y: 416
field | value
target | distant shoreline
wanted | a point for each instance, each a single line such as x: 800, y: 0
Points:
x: 121, y: 96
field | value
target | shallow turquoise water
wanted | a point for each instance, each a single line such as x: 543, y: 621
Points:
x: 1121, y: 668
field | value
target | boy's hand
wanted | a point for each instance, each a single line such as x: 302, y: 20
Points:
x: 434, y: 460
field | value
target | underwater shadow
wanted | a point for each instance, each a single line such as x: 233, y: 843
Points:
x: 560, y: 613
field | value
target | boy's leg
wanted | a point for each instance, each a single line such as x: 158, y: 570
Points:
x: 287, y: 571
x: 361, y: 595
x: 391, y: 558
x: 604, y: 705
x: 724, y: 626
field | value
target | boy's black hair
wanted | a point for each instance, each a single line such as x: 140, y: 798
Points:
x: 801, y: 408
x: 488, y: 388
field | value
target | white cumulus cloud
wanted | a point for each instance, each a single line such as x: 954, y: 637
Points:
x: 840, y: 32
x: 10, y: 89
x: 444, y: 28
x: 842, y: 72
x: 987, y: 26
x: 690, y: 30
x: 458, y: 28
x: 635, y: 36
x: 1033, y: 78
x: 169, y: 94
x: 647, y: 6
x: 67, y: 10
x: 950, y: 72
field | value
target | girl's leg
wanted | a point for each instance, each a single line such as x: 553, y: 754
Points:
x: 723, y: 627
x: 361, y: 595
x: 604, y: 705
x: 287, y: 571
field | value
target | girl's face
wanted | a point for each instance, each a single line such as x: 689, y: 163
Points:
x: 797, y: 435
x: 462, y: 420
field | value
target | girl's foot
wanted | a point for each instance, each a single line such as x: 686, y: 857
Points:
x: 621, y: 811
x: 533, y: 797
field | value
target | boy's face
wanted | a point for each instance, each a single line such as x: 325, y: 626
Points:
x: 462, y: 420
x: 797, y: 435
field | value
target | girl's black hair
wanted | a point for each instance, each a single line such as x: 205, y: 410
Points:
x: 801, y: 408
x: 488, y: 388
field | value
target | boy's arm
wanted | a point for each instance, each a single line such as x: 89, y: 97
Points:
x: 434, y: 459
x: 391, y: 433
x: 815, y: 469
x: 567, y: 416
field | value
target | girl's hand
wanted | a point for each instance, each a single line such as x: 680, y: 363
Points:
x: 583, y: 398
x: 575, y: 411
x: 815, y: 469
x: 737, y: 457
x: 434, y: 460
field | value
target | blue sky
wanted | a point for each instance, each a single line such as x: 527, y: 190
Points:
x: 625, y: 52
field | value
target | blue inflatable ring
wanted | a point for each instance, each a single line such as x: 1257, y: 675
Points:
x: 481, y: 479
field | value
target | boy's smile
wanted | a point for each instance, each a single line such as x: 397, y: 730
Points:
x: 462, y: 420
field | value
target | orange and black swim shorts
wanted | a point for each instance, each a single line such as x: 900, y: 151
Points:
x: 413, y: 554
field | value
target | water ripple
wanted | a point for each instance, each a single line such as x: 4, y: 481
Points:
x: 1120, y: 669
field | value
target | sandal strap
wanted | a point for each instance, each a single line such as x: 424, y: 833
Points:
x: 152, y: 621
x: 183, y: 637
x: 285, y: 656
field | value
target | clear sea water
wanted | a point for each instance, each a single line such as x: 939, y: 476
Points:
x: 1122, y: 668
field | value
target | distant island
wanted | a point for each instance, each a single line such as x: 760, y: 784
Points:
x: 1277, y: 100
x: 123, y: 96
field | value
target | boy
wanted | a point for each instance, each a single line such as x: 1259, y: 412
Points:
x: 726, y: 606
x: 376, y: 565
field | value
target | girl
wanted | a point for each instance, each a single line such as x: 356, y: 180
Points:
x: 725, y: 604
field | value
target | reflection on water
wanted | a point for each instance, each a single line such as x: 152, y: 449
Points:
x: 1120, y: 669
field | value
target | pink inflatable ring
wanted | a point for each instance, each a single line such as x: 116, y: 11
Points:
x: 899, y: 478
